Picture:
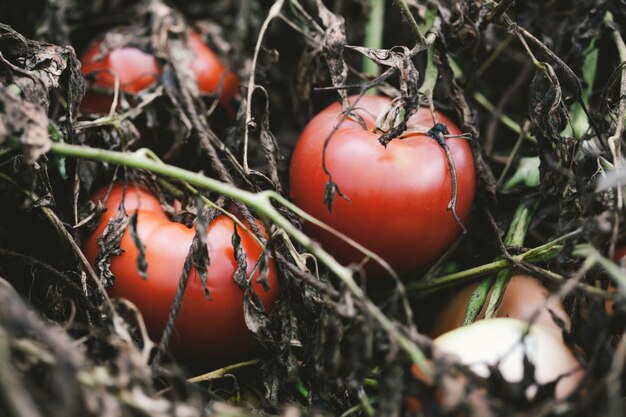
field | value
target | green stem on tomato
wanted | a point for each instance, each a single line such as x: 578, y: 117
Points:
x: 515, y: 236
x: 260, y: 203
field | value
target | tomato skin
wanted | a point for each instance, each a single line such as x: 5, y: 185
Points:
x: 207, y: 334
x: 399, y: 195
x: 523, y: 297
x: 496, y: 342
x: 210, y: 73
x: 138, y: 70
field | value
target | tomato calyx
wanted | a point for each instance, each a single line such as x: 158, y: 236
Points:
x: 437, y: 131
x: 393, y: 122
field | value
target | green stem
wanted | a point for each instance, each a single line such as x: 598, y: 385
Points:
x: 515, y: 237
x: 541, y: 253
x: 404, y: 8
x: 504, y: 119
x: 431, y: 73
x: 374, y: 35
x: 220, y: 373
x: 261, y: 204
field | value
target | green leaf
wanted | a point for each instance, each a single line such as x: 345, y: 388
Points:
x: 527, y: 173
x: 57, y: 136
x: 580, y: 122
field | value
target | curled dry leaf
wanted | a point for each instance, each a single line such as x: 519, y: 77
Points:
x: 40, y: 70
x: 25, y: 121
x: 334, y: 43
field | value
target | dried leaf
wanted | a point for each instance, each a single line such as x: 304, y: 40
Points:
x: 24, y: 121
x: 109, y: 245
x: 334, y: 42
x: 200, y: 256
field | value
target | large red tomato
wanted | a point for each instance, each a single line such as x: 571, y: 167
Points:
x: 207, y: 333
x: 399, y: 195
x: 138, y: 70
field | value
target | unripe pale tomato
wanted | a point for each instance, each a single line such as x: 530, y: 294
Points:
x: 138, y: 70
x: 504, y: 342
x: 208, y: 333
x: 399, y: 195
x: 525, y: 298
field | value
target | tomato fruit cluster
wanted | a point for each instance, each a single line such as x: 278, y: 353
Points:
x: 208, y: 333
x: 138, y: 70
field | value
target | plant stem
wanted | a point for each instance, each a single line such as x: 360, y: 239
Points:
x: 374, y: 35
x: 404, y: 8
x: 261, y: 204
x: 515, y: 237
x: 506, y: 120
x: 541, y: 253
x: 273, y: 13
x: 220, y: 373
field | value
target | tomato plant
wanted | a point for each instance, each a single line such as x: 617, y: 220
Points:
x: 525, y: 298
x: 207, y: 332
x: 138, y: 70
x: 398, y: 195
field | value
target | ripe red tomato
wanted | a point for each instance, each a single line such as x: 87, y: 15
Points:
x: 138, y: 70
x: 399, y: 195
x: 208, y: 333
x: 524, y: 297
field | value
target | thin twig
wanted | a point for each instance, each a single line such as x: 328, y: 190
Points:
x: 273, y: 13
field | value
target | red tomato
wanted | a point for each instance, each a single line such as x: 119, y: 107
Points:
x: 208, y: 333
x: 138, y: 70
x: 524, y: 297
x: 399, y: 195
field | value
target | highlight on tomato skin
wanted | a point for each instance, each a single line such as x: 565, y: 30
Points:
x: 208, y: 333
x: 138, y: 70
x: 399, y: 195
